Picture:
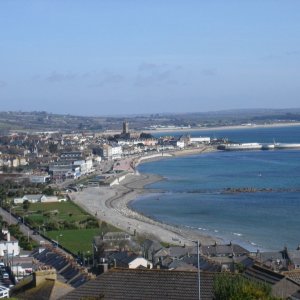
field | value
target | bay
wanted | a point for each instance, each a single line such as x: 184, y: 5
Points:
x: 193, y: 191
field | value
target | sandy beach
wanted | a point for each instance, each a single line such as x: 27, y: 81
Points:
x: 110, y: 204
x: 177, y: 129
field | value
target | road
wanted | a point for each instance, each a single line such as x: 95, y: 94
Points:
x: 10, y: 219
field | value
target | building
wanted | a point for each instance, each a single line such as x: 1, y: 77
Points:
x: 125, y: 128
x: 145, y: 284
x: 280, y: 285
x: 43, y: 178
x: 111, y: 152
x: 200, y: 140
x: 223, y: 250
x: 86, y: 166
x: 106, y: 151
x: 116, y: 236
x: 63, y: 171
x: 74, y: 155
x: 37, y: 198
x: 129, y: 260
x: 8, y: 247
x: 30, y: 198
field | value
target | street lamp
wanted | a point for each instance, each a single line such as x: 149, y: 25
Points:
x: 198, y: 268
x: 57, y: 239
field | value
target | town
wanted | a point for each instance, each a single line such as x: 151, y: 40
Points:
x: 42, y: 176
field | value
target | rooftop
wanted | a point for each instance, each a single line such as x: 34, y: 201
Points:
x: 146, y: 284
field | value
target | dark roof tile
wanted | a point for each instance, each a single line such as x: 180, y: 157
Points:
x: 146, y: 284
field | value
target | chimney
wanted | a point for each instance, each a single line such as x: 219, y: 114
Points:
x: 103, y: 267
x: 43, y: 275
x: 8, y: 236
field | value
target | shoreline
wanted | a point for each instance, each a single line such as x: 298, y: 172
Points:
x: 218, y: 128
x: 112, y: 205
x: 233, y: 127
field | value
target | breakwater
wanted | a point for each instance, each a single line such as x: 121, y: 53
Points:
x: 258, y: 146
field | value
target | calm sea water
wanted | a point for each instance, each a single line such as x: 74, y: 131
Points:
x: 194, y: 191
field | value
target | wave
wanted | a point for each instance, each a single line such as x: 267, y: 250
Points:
x: 237, y: 234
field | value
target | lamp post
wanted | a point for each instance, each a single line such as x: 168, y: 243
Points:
x: 5, y: 254
x: 88, y: 258
x: 18, y: 271
x: 57, y: 239
x: 198, y: 268
x: 12, y: 259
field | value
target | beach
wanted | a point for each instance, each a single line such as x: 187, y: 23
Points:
x: 204, y: 128
x: 111, y: 204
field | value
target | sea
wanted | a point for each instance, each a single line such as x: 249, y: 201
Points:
x: 194, y: 193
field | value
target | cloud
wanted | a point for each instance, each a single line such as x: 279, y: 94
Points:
x: 281, y: 55
x: 156, y: 74
x: 59, y: 77
x: 108, y: 78
x: 2, y: 84
x: 270, y: 57
x: 94, y: 78
x: 293, y: 52
x: 209, y: 72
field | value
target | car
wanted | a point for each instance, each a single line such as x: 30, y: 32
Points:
x: 5, y: 275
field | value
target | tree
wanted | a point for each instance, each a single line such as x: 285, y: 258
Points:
x: 26, y: 204
x: 53, y: 148
x: 49, y: 191
x: 144, y: 135
x: 235, y: 287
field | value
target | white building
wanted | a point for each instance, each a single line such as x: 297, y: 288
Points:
x: 9, y: 247
x: 200, y: 140
x: 37, y: 198
x: 140, y: 261
x: 116, y: 152
x: 39, y: 178
x: 86, y: 166
x: 97, y: 159
x: 30, y: 198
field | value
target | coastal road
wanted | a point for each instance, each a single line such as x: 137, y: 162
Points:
x: 10, y: 219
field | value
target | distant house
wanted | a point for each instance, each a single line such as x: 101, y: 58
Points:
x: 200, y: 140
x: 223, y: 250
x: 30, y: 198
x: 150, y: 248
x: 111, y: 152
x: 281, y: 285
x: 73, y: 155
x: 8, y: 246
x: 39, y: 178
x: 129, y: 260
x: 48, y: 199
x: 275, y: 260
x: 112, y: 242
x: 37, y: 198
x: 116, y: 236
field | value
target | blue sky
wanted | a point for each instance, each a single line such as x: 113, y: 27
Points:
x: 140, y: 56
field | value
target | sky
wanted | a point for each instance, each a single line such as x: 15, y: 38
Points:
x: 114, y: 57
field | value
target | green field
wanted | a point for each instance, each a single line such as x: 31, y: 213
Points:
x: 75, y: 240
x: 58, y: 211
x: 54, y: 221
x: 79, y: 239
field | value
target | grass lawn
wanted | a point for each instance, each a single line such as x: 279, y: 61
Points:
x: 77, y: 239
x: 72, y: 239
x: 64, y: 211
